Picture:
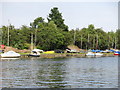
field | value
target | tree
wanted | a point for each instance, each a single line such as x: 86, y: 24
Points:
x: 118, y: 38
x: 56, y: 16
x: 36, y: 22
x: 50, y: 37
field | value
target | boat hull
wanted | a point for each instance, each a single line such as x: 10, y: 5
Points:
x: 34, y: 55
x: 116, y: 54
x: 10, y: 56
x: 98, y: 54
x: 90, y: 54
x: 94, y: 54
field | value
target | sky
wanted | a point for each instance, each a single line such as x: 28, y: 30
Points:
x: 77, y: 14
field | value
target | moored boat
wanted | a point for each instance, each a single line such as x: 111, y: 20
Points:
x: 98, y: 54
x: 35, y: 53
x: 90, y: 54
x: 49, y: 52
x: 10, y: 54
x: 117, y: 53
x: 93, y: 54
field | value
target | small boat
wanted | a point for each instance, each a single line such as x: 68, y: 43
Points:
x: 10, y: 54
x: 90, y: 54
x: 35, y: 53
x: 93, y: 54
x: 117, y: 53
x: 49, y: 52
x: 98, y: 54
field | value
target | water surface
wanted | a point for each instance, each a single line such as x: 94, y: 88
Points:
x: 99, y: 72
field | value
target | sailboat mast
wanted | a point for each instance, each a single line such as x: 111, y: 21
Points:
x: 97, y: 42
x: 31, y: 41
x: 109, y: 42
x: 74, y: 37
x: 93, y: 42
x: 81, y: 41
x: 88, y: 42
x: 8, y: 42
x: 115, y: 42
x: 35, y: 37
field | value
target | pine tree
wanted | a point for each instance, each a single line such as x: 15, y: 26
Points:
x: 56, y: 16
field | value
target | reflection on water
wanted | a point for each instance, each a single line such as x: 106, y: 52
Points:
x: 60, y: 73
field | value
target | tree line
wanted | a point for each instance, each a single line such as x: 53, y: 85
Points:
x: 54, y: 34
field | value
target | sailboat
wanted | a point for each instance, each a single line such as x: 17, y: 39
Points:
x: 34, y: 52
x: 9, y: 54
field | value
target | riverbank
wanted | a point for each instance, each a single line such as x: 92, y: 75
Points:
x: 63, y: 55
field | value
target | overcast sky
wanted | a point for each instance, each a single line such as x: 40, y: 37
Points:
x: 76, y: 14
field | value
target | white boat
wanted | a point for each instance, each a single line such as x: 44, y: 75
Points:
x: 90, y: 54
x: 10, y: 54
x: 35, y: 53
x: 93, y: 54
x: 98, y: 54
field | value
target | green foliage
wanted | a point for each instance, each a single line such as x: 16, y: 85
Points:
x: 36, y: 22
x: 118, y: 38
x: 54, y: 34
x: 50, y: 37
x: 56, y: 16
x: 94, y: 38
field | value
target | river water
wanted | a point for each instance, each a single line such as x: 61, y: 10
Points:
x: 100, y: 72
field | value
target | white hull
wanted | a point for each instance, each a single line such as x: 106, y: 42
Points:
x: 93, y: 54
x: 10, y: 54
x: 9, y: 58
x: 98, y: 54
x: 90, y: 54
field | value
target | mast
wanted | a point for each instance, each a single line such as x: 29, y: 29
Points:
x: 109, y: 42
x: 74, y: 37
x: 31, y: 41
x: 32, y: 44
x: 93, y: 42
x: 35, y: 37
x: 8, y: 41
x: 115, y: 42
x: 112, y: 42
x: 97, y: 42
x: 81, y: 41
x: 88, y: 42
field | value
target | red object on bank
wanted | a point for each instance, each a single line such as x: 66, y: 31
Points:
x: 2, y: 46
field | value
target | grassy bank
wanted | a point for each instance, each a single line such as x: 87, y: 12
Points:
x: 63, y: 55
